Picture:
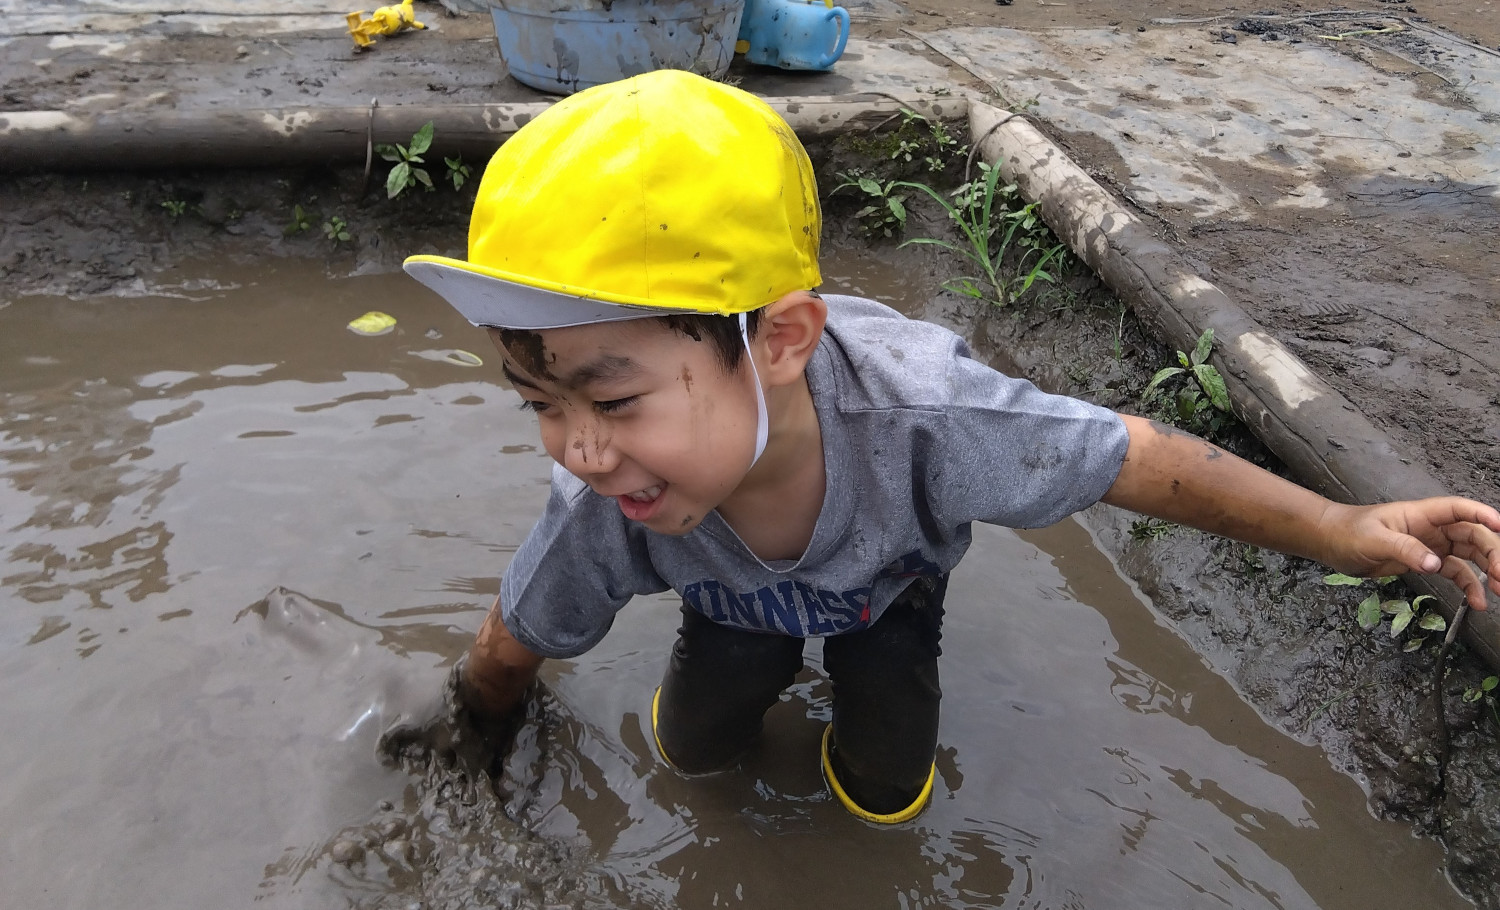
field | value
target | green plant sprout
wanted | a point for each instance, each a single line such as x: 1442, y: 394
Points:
x: 1206, y: 391
x: 175, y: 208
x: 336, y: 230
x: 990, y: 232
x: 885, y: 210
x: 1403, y: 614
x: 932, y: 149
x: 458, y: 172
x: 1485, y: 692
x: 1150, y: 529
x: 406, y: 174
x: 301, y: 221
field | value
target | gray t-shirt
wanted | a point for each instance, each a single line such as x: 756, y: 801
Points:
x: 919, y: 440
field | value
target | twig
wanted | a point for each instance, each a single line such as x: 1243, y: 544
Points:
x: 364, y: 185
x: 974, y: 144
x: 1437, y: 696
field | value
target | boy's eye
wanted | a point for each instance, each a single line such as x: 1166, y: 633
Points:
x: 615, y: 404
x: 535, y: 407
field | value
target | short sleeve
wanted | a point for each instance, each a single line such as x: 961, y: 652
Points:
x: 1004, y: 452
x: 579, y: 565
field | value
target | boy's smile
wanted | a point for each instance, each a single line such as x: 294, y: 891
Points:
x: 639, y: 412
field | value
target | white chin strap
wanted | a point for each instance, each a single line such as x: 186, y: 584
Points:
x: 762, y: 420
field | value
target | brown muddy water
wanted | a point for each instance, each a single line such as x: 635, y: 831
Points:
x: 239, y: 541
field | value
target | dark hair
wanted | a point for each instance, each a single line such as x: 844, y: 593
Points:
x: 723, y: 332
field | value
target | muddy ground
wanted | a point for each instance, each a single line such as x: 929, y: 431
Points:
x: 1286, y: 640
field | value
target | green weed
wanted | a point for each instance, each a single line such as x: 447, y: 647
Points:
x: 1203, y: 402
x: 917, y: 144
x: 884, y: 212
x: 992, y: 229
x: 301, y: 221
x: 1403, y: 615
x: 1485, y: 692
x: 336, y: 230
x: 175, y: 208
x: 458, y: 172
x: 1150, y: 529
x: 406, y: 173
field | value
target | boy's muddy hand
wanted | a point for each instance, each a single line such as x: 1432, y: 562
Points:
x: 1442, y: 536
x: 449, y: 731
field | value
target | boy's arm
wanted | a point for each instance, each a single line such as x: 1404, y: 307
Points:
x: 1174, y: 475
x: 498, y: 671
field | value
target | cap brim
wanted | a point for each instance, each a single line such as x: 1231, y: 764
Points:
x: 485, y: 300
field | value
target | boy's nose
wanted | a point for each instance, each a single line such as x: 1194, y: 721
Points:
x: 589, y: 450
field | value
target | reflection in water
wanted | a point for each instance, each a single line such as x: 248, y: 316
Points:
x: 271, y: 537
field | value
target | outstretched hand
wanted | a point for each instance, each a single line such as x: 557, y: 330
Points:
x: 1439, y: 536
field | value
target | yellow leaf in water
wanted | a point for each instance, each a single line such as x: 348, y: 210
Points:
x: 373, y: 323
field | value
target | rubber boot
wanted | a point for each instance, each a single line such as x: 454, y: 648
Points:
x: 655, y: 736
x: 858, y: 811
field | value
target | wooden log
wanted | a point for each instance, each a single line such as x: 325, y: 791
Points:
x: 1326, y: 441
x: 61, y: 141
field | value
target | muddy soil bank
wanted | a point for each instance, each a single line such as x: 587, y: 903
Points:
x: 1288, y: 642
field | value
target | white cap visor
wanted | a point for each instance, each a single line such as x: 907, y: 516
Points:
x: 495, y: 302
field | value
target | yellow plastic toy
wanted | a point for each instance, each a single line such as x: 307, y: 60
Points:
x: 387, y: 20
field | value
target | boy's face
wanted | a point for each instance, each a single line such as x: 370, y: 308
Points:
x: 640, y: 413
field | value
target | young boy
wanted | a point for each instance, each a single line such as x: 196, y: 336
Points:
x: 793, y: 466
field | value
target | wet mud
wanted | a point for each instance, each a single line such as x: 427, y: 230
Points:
x: 242, y: 542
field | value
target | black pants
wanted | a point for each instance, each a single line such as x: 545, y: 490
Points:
x: 721, y: 681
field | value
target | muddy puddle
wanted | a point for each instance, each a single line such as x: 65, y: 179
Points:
x: 240, y: 541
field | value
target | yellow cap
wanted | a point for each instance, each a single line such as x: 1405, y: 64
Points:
x: 665, y: 192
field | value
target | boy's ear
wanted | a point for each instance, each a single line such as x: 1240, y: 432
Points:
x: 788, y: 333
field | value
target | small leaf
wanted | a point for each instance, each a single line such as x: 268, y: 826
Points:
x: 422, y: 177
x: 870, y: 186
x: 1400, y: 621
x: 1386, y: 579
x: 1213, y: 385
x: 1205, y: 345
x: 388, y: 152
x: 399, y: 177
x: 1420, y: 599
x: 1432, y: 622
x: 898, y: 208
x: 967, y: 288
x: 1338, y: 578
x: 1413, y: 644
x: 1490, y: 682
x: 1369, y: 612
x: 1183, y: 359
x: 1163, y: 374
x: 422, y: 140
x: 1472, y: 695
x: 1394, y: 606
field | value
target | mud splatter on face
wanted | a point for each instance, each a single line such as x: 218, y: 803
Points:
x: 530, y: 351
x: 687, y: 378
